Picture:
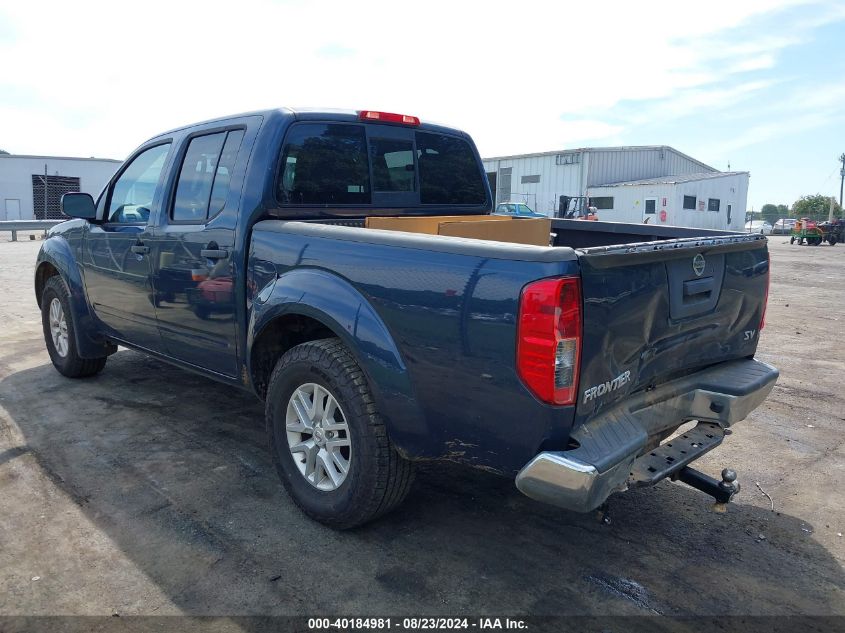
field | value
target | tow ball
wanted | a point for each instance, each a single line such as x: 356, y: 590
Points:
x: 722, y: 491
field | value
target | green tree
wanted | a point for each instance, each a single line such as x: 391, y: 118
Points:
x: 815, y: 207
x: 769, y: 213
x: 3, y: 151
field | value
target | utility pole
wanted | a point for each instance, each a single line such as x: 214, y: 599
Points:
x: 841, y: 178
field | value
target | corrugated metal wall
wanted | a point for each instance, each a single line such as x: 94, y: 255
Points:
x: 608, y: 166
x: 555, y: 180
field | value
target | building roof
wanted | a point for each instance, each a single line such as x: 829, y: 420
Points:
x: 618, y: 148
x: 673, y: 180
x: 39, y: 157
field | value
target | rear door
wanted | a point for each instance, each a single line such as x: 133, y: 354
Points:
x: 193, y: 258
x: 656, y: 311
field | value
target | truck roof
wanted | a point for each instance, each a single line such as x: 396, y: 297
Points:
x: 306, y: 114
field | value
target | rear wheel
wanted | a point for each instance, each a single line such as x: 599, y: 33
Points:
x: 327, y: 439
x: 57, y: 321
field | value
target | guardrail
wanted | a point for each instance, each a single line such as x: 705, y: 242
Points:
x: 27, y: 225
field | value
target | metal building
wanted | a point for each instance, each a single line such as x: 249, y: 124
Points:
x: 599, y: 173
x: 32, y: 186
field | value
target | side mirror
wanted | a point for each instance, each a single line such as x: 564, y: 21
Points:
x: 79, y: 205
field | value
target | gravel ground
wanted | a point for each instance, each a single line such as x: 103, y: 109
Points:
x: 148, y: 490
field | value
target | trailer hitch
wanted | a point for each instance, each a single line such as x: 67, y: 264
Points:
x: 722, y: 491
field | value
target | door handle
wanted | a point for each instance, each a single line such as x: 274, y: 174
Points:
x: 214, y: 253
x: 140, y: 249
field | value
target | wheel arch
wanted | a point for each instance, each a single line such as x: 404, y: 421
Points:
x: 57, y: 260
x: 308, y: 304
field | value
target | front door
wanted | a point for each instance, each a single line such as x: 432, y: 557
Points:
x: 116, y: 252
x: 650, y: 211
x: 193, y: 258
x: 13, y: 209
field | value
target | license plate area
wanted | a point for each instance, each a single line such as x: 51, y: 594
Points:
x: 674, y: 454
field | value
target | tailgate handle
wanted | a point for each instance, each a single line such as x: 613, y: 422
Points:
x: 695, y: 287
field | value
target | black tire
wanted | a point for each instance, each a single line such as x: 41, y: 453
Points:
x: 792, y: 240
x: 378, y: 478
x: 70, y: 364
x: 831, y: 240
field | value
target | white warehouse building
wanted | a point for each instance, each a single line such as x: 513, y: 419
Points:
x: 32, y: 186
x: 653, y: 183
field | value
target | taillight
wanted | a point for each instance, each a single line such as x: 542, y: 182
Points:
x: 388, y: 117
x: 768, y: 283
x: 548, y: 346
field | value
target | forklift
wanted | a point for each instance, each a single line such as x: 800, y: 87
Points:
x: 576, y: 208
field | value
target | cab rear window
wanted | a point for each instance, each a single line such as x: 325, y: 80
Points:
x: 448, y: 171
x: 324, y: 163
x: 344, y: 164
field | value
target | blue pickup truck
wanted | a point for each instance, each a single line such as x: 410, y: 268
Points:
x: 239, y: 248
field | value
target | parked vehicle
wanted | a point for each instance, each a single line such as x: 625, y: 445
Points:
x: 566, y: 365
x: 833, y: 232
x: 517, y: 209
x: 758, y: 226
x: 783, y: 226
x: 807, y: 230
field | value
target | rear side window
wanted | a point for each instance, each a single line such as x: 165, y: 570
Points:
x: 197, y: 177
x: 223, y: 176
x: 324, y: 163
x: 449, y: 173
x: 204, y: 178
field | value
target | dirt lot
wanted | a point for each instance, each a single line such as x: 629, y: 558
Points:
x: 148, y: 490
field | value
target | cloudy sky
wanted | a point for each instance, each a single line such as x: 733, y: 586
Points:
x: 759, y: 84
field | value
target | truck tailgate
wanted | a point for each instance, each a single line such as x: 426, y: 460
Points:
x: 658, y: 310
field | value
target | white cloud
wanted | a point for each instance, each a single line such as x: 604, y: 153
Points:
x: 100, y: 78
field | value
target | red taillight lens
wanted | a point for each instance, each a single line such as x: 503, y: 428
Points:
x: 768, y: 283
x: 388, y: 117
x: 548, y: 347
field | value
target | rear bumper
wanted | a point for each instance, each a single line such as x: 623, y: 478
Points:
x: 610, y: 456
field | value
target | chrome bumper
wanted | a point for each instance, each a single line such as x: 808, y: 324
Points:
x: 581, y: 479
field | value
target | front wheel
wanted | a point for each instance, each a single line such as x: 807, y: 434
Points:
x: 327, y: 439
x: 57, y: 321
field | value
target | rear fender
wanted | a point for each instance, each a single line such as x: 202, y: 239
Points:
x: 57, y: 256
x: 336, y: 304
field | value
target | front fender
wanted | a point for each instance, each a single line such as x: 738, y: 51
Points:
x: 57, y: 254
x: 335, y: 303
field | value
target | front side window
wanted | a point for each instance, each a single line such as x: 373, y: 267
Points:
x: 449, y: 173
x: 131, y: 196
x: 324, y: 163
